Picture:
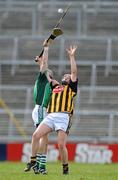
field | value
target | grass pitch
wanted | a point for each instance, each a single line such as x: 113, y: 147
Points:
x: 15, y: 171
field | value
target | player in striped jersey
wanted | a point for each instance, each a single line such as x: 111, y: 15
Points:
x: 60, y: 109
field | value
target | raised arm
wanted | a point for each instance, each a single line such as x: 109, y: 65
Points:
x: 51, y: 80
x: 71, y: 52
x: 43, y: 61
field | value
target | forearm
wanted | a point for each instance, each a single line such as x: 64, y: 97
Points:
x: 73, y: 65
x: 71, y: 52
x: 44, y: 64
x: 45, y: 54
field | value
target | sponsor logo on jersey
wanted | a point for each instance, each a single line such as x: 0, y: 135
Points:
x: 58, y: 89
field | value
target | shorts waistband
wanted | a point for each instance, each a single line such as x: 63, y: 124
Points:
x: 36, y: 105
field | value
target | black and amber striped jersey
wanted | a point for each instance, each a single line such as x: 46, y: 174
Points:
x: 62, y: 99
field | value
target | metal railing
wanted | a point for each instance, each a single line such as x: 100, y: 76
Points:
x: 61, y: 64
x: 78, y: 8
x: 26, y: 112
x: 106, y: 41
x: 95, y: 6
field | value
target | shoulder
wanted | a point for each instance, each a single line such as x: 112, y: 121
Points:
x: 73, y: 85
x: 42, y: 74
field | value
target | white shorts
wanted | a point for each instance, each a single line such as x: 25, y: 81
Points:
x: 57, y: 121
x: 38, y: 114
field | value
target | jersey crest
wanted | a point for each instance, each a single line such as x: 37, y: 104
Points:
x: 58, y: 89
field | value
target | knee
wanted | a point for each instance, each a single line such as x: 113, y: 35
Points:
x: 35, y: 136
x: 61, y: 145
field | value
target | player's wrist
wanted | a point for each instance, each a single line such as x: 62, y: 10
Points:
x: 52, y: 37
x: 72, y: 57
x: 46, y: 48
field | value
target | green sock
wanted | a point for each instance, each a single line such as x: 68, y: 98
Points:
x: 41, y: 159
x: 38, y: 157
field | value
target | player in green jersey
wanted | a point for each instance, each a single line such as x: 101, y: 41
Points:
x: 38, y: 162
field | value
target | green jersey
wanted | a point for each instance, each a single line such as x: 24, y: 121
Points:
x: 39, y: 88
x: 47, y: 95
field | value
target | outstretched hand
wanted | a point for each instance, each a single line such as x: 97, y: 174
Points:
x: 71, y: 50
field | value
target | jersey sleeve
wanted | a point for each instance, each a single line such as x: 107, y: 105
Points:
x: 35, y: 92
x: 73, y: 85
x: 47, y: 95
x: 39, y: 88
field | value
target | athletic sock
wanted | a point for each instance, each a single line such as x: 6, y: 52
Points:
x: 33, y: 159
x: 38, y: 157
x: 42, y: 162
x: 65, y: 169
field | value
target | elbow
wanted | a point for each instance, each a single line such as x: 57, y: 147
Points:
x: 74, y: 72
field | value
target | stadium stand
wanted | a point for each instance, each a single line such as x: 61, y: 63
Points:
x: 92, y: 25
